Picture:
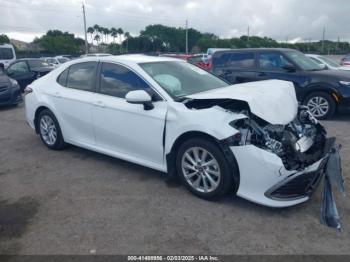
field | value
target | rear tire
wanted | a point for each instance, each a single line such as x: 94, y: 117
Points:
x: 50, y: 131
x: 321, y: 105
x: 203, y: 169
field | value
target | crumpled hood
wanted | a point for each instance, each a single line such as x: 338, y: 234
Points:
x: 272, y: 100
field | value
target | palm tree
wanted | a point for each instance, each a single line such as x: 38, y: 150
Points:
x: 114, y: 33
x: 120, y: 33
x: 127, y: 36
x: 106, y: 32
x: 91, y: 31
x: 97, y: 29
x: 97, y: 38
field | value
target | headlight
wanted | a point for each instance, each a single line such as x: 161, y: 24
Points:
x: 346, y: 83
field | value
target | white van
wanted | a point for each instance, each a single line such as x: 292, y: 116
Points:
x: 7, y: 54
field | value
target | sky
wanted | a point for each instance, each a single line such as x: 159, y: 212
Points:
x: 283, y: 20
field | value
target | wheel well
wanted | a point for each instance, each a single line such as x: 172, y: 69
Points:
x: 318, y: 90
x: 37, y: 112
x: 171, y: 156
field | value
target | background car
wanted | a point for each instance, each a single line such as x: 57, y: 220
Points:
x: 199, y: 60
x: 345, y: 61
x: 55, y: 61
x: 323, y: 91
x: 327, y: 63
x: 7, y: 54
x: 96, y: 54
x: 25, y: 71
x: 9, y: 90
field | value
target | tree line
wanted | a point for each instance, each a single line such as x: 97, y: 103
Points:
x: 160, y: 38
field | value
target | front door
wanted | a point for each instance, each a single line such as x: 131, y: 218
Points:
x: 128, y: 129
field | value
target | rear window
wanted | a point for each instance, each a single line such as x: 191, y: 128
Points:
x: 6, y: 53
x: 37, y: 63
x: 234, y: 60
x: 82, y: 76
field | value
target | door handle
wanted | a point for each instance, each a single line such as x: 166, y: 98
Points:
x: 261, y: 74
x: 99, y: 104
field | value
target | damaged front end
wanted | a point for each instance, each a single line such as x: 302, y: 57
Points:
x: 299, y: 143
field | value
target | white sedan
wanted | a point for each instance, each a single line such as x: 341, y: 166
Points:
x: 249, y: 139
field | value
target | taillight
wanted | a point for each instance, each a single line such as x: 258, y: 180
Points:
x: 28, y: 90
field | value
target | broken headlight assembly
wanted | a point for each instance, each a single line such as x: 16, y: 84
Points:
x: 298, y: 144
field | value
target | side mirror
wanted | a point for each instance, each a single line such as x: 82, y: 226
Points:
x: 140, y: 97
x: 324, y: 66
x: 289, y: 68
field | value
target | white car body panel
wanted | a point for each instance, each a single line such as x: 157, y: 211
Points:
x: 261, y: 96
x: 111, y: 126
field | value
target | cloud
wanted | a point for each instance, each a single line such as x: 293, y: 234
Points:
x: 292, y: 19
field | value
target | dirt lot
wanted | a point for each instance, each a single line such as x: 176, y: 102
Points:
x: 79, y: 202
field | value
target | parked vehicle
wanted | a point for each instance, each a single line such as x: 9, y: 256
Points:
x: 199, y: 60
x: 9, y: 90
x: 250, y: 139
x: 345, y: 61
x: 328, y: 63
x: 7, y: 54
x: 323, y: 91
x: 96, y: 54
x: 55, y: 61
x: 25, y: 71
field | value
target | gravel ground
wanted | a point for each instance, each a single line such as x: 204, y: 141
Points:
x: 80, y: 202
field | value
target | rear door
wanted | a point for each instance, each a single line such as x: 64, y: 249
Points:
x: 235, y: 67
x: 73, y: 97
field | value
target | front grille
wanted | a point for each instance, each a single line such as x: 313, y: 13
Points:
x: 3, y: 88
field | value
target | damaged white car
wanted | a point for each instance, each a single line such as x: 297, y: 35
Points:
x: 250, y: 139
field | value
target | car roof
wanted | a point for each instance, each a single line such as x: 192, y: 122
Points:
x: 253, y: 50
x: 134, y: 59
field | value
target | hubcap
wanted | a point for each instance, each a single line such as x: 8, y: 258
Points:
x: 318, y: 106
x: 201, y: 169
x: 48, y: 130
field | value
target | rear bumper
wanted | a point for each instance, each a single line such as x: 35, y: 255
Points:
x: 10, y: 96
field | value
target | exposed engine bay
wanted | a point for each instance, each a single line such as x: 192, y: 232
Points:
x: 299, y: 143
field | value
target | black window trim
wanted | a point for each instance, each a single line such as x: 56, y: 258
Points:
x: 19, y: 61
x: 94, y: 89
x: 98, y: 80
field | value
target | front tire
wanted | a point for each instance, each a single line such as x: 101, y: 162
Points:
x: 321, y: 105
x: 50, y: 131
x: 203, y: 169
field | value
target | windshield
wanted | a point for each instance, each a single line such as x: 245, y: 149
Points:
x: 6, y: 53
x: 180, y: 79
x: 62, y: 60
x: 37, y: 63
x: 330, y: 61
x: 304, y: 62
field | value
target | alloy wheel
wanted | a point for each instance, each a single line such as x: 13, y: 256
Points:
x: 318, y: 106
x: 200, y: 169
x: 48, y: 130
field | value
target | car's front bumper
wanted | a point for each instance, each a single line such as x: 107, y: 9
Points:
x: 10, y: 96
x: 264, y: 179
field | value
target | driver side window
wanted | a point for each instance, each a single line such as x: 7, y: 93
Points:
x: 272, y: 61
x: 18, y: 68
x: 117, y: 81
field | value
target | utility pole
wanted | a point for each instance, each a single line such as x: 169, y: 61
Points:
x: 248, y: 33
x: 186, y: 36
x: 323, y: 37
x: 86, y: 43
